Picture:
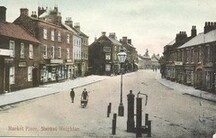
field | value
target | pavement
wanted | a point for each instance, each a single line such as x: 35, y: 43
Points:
x: 48, y: 89
x: 186, y: 90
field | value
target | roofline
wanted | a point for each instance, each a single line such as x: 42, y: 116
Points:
x: 38, y: 42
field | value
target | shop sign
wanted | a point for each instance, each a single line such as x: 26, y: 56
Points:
x: 8, y: 60
x: 69, y: 60
x: 178, y: 63
x: 56, y: 61
x: 5, y: 52
x: 106, y: 49
x: 22, y: 64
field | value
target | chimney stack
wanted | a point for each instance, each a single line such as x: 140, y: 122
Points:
x: 77, y: 26
x: 129, y: 41
x: 124, y: 40
x: 103, y: 33
x: 209, y: 26
x: 181, y: 36
x: 112, y: 35
x: 193, y: 31
x: 34, y: 15
x: 3, y: 13
x: 41, y: 10
x: 24, y: 11
x: 69, y: 22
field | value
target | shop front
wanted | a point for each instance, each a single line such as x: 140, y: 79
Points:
x: 179, y: 72
x: 68, y: 69
x: 189, y: 72
x: 52, y: 72
x: 6, y: 63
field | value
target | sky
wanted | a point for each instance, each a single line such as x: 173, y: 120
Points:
x: 151, y: 24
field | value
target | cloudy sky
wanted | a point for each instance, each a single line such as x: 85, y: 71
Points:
x: 151, y: 24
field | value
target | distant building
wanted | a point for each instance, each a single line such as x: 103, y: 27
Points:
x: 131, y: 62
x: 77, y: 67
x: 155, y: 62
x: 103, y: 58
x: 84, y: 50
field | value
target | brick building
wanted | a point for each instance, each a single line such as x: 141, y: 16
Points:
x: 84, y: 50
x: 56, y: 47
x: 103, y: 55
x: 18, y: 57
x: 194, y: 60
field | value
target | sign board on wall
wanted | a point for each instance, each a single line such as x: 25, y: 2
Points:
x: 5, y: 52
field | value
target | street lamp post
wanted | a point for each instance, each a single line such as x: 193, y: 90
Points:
x: 122, y: 57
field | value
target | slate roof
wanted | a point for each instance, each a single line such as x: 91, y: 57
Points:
x: 201, y: 38
x: 172, y: 42
x: 15, y: 31
x: 114, y: 41
x: 70, y: 29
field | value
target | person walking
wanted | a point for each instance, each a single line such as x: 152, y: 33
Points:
x: 85, y: 94
x: 72, y: 95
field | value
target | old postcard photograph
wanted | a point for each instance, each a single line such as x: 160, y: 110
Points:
x: 108, y: 68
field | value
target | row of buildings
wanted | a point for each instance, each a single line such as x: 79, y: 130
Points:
x: 191, y: 60
x: 40, y: 48
x: 149, y: 62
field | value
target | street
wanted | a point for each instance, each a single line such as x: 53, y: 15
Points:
x: 173, y: 114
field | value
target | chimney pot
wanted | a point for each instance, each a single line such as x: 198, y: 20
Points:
x: 24, y: 11
x: 129, y: 41
x: 124, y: 39
x: 103, y: 33
x: 69, y: 22
x: 77, y: 26
x: 193, y: 31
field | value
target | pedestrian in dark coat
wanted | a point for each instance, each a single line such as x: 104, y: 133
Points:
x: 85, y: 94
x: 72, y: 95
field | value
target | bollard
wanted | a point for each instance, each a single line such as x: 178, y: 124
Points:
x: 110, y: 107
x: 114, y: 124
x: 149, y: 129
x: 130, y: 115
x: 146, y: 119
x: 139, y: 117
x: 108, y: 111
